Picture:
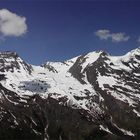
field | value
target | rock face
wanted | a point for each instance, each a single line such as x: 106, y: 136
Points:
x: 92, y: 96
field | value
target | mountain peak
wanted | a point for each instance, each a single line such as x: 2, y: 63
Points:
x: 10, y: 61
x: 136, y: 51
x: 8, y: 54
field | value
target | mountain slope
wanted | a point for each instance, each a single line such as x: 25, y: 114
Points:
x: 97, y: 93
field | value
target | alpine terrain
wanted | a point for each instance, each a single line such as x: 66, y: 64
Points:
x: 90, y: 97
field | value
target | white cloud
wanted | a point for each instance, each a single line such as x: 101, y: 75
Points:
x: 118, y: 37
x: 12, y: 24
x: 103, y: 34
x: 115, y: 37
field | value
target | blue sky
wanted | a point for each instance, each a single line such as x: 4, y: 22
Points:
x: 60, y: 30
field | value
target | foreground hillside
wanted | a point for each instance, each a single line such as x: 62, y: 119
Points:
x: 92, y: 96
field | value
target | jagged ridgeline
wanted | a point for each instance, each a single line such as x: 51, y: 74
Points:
x: 90, y: 97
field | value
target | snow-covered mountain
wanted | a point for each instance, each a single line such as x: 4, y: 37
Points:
x: 92, y: 96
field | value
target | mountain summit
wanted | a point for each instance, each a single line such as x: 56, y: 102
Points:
x: 92, y: 96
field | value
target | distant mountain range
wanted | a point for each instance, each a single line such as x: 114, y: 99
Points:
x: 94, y: 96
